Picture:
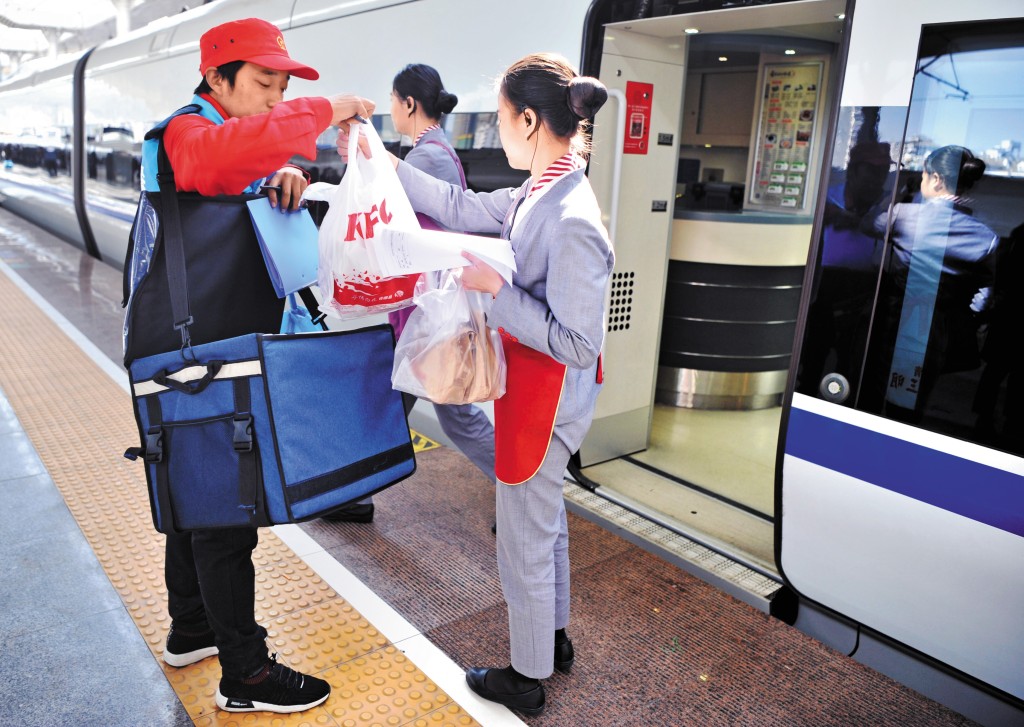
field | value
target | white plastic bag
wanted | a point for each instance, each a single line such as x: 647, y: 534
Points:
x: 446, y: 353
x: 368, y: 197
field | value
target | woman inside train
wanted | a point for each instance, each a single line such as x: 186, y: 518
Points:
x: 551, y: 320
x: 939, y: 267
x: 418, y: 103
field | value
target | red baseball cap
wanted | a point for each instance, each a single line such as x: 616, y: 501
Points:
x: 252, y: 40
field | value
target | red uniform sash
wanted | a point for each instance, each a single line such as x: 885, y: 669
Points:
x: 524, y: 418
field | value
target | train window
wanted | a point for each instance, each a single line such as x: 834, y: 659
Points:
x: 859, y: 187
x: 465, y: 130
x: 35, y: 133
x: 948, y: 249
x: 474, y: 136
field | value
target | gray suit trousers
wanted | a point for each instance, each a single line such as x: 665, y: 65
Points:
x: 471, y: 431
x: 533, y: 562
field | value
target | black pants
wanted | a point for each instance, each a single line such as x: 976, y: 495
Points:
x: 211, y: 583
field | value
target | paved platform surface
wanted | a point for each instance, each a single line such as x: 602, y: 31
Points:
x: 83, y: 610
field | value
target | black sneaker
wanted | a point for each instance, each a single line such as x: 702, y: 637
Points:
x: 184, y: 648
x: 275, y: 688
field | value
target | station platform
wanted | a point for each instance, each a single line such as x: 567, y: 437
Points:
x: 390, y: 613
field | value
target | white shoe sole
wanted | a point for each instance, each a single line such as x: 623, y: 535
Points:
x: 222, y: 703
x: 180, y: 660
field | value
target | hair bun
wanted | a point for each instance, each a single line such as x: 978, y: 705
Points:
x: 972, y: 170
x: 446, y: 101
x: 585, y: 96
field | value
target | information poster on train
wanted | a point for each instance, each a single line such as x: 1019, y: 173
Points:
x: 639, y: 97
x: 785, y: 137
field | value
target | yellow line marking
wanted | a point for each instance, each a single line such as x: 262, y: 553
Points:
x: 421, y: 443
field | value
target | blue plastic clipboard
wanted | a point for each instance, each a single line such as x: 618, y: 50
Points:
x: 288, y: 241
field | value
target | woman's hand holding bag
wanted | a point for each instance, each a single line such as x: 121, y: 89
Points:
x: 446, y: 353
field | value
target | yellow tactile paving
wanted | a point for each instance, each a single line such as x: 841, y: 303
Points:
x: 80, y: 422
x: 327, y: 635
x: 382, y: 688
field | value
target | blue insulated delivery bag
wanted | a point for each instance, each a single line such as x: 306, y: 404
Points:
x: 265, y: 429
x: 241, y: 427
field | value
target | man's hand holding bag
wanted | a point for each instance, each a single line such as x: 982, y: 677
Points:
x: 368, y: 198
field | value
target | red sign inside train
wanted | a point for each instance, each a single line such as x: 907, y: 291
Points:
x: 638, y: 117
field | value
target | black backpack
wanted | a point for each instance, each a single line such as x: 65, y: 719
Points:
x: 228, y: 287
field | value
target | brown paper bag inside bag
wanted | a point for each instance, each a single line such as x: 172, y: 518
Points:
x: 462, y: 369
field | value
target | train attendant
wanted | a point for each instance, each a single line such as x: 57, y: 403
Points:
x: 243, y: 133
x: 418, y: 101
x: 551, y: 319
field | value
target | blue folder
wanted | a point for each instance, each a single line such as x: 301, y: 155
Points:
x: 289, y: 244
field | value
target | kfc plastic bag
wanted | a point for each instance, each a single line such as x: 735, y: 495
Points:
x: 368, y: 197
x: 446, y: 353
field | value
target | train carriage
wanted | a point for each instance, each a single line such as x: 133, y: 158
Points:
x: 767, y: 173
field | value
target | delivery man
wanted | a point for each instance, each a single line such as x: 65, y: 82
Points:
x: 241, y: 139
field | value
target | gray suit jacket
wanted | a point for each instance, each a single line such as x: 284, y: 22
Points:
x: 433, y: 159
x: 556, y: 302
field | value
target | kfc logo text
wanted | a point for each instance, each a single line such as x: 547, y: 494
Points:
x: 361, y: 223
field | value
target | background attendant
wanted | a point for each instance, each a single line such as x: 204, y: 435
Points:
x: 941, y: 257
x: 243, y: 132
x: 418, y: 101
x: 552, y: 324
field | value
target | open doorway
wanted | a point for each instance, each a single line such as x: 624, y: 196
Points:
x: 746, y: 128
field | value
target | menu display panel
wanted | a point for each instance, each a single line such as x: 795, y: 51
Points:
x: 784, y: 143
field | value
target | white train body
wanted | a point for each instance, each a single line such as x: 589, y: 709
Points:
x: 914, y: 533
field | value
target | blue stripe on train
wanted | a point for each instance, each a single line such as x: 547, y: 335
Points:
x: 971, y: 489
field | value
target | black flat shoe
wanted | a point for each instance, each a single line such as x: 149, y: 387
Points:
x: 357, y: 512
x: 564, y: 654
x: 519, y: 693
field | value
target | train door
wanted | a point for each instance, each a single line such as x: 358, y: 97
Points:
x: 633, y: 173
x: 901, y: 490
x: 705, y: 164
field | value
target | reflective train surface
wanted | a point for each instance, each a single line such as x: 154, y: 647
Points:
x: 796, y: 271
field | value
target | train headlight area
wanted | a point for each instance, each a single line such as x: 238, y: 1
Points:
x: 388, y: 612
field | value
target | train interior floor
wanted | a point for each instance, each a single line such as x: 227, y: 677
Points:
x: 709, y: 474
x: 83, y: 607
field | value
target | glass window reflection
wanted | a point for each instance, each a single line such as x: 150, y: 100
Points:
x: 860, y: 187
x: 939, y: 344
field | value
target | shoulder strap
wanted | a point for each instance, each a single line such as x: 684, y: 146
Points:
x: 170, y: 230
x: 154, y: 455
x: 454, y: 156
x: 310, y: 302
x: 157, y: 131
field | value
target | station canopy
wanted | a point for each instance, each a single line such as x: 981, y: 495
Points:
x: 55, y: 14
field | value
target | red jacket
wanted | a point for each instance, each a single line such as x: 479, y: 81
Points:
x: 212, y: 158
